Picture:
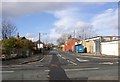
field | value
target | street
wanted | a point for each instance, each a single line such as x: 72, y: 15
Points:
x: 58, y: 65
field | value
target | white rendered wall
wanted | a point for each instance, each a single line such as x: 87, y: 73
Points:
x: 109, y: 48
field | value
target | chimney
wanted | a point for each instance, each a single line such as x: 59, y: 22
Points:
x: 17, y: 37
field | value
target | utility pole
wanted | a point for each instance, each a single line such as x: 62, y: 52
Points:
x: 39, y: 42
x: 39, y: 38
x: 74, y: 33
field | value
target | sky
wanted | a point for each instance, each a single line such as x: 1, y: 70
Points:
x: 52, y: 19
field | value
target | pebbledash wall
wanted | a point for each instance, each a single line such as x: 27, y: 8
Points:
x: 110, y: 48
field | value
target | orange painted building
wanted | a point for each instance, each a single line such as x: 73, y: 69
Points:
x: 70, y: 45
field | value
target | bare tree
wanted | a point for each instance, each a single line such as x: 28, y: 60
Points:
x: 8, y: 29
x: 63, y: 38
x: 86, y: 32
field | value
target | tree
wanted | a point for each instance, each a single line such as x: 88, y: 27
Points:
x: 63, y: 38
x: 9, y: 43
x: 25, y: 44
x: 85, y: 32
x: 13, y: 43
x: 8, y: 29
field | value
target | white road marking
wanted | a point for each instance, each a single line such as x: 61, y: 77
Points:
x: 15, y: 68
x: 63, y: 57
x: 43, y: 59
x: 77, y: 69
x: 67, y: 60
x: 31, y: 63
x: 81, y: 60
x: 3, y: 66
x: 59, y: 55
x: 39, y: 65
x: 98, y: 57
x: 73, y: 63
x: 17, y: 65
x: 81, y: 69
x: 107, y: 63
x: 117, y: 62
x: 6, y: 71
x: 12, y: 66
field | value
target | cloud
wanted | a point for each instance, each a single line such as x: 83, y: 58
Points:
x: 106, y: 21
x: 13, y: 9
x: 32, y: 36
x: 68, y: 20
x: 60, y: 0
x: 65, y: 21
x: 35, y: 36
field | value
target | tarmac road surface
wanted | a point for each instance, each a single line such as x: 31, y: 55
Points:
x: 63, y: 66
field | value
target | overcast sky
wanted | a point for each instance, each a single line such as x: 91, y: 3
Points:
x: 56, y: 18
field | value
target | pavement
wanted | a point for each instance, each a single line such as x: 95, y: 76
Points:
x: 20, y: 61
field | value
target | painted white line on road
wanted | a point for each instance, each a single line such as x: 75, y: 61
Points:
x: 31, y: 63
x: 77, y: 69
x: 81, y: 60
x: 117, y: 62
x: 81, y: 69
x: 39, y: 65
x: 68, y: 60
x: 59, y: 55
x: 3, y: 66
x: 107, y: 63
x: 63, y: 58
x: 43, y: 59
x: 16, y: 68
x: 98, y: 57
x: 73, y: 63
x: 19, y: 65
x: 6, y: 71
x: 11, y: 66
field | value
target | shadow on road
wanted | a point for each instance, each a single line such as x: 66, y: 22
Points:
x: 56, y: 71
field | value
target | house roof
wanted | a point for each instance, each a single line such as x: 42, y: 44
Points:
x: 102, y: 36
x: 40, y: 42
x: 98, y: 37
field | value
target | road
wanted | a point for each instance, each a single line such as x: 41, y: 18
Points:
x: 58, y: 65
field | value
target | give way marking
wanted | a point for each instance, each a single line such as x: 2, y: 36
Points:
x: 82, y: 60
x: 78, y: 69
x: 6, y: 71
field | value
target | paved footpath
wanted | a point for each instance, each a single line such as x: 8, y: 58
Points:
x: 21, y: 61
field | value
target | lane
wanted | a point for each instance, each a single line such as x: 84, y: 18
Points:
x: 42, y: 63
x: 30, y: 71
x: 103, y: 69
x: 90, y: 60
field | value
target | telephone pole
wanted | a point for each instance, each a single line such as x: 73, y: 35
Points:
x: 39, y: 37
x: 74, y: 34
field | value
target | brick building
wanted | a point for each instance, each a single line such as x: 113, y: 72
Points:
x: 70, y: 44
